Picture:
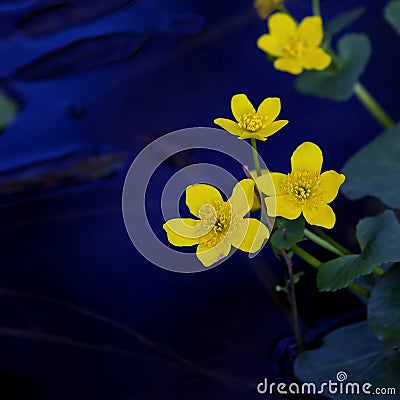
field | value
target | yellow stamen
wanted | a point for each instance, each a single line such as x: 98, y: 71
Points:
x: 295, y: 48
x: 217, y: 222
x: 302, y: 185
x: 251, y: 122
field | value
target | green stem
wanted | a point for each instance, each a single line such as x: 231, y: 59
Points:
x: 255, y: 156
x: 325, y: 241
x: 316, y: 7
x: 322, y: 242
x: 369, y: 102
x: 333, y: 242
x: 314, y: 262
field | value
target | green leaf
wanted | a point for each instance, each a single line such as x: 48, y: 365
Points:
x: 392, y: 15
x: 356, y: 351
x: 384, y: 308
x: 337, y: 82
x: 341, y: 22
x: 8, y: 110
x: 288, y: 233
x: 382, y: 157
x: 378, y: 238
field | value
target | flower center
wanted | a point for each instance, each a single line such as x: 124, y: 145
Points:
x: 216, y: 222
x: 302, y: 185
x: 295, y: 47
x: 251, y: 122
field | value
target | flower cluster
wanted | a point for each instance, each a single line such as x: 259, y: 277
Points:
x: 220, y: 224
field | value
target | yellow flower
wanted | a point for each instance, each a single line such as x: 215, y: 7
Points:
x: 296, y: 47
x: 221, y: 224
x: 252, y: 124
x: 265, y: 7
x: 305, y: 190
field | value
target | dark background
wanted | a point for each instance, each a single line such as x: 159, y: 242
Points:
x: 82, y: 314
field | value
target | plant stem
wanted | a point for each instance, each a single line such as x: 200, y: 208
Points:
x: 316, y: 7
x: 325, y: 241
x: 333, y: 242
x: 369, y: 102
x: 314, y: 262
x: 292, y: 300
x: 255, y: 157
x: 322, y: 242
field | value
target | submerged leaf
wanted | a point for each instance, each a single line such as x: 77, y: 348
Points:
x: 84, y: 55
x: 62, y: 15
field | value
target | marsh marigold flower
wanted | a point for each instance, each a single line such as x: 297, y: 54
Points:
x: 295, y: 47
x: 304, y: 190
x: 252, y: 124
x: 220, y: 224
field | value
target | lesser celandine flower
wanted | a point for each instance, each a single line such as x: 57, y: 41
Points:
x: 220, y: 224
x: 304, y: 190
x: 265, y: 7
x: 296, y: 47
x: 252, y: 124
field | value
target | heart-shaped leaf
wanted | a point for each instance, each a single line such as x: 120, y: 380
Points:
x: 337, y: 82
x: 352, y: 355
x: 382, y: 157
x: 384, y: 308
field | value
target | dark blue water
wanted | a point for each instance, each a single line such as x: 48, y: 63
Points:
x: 100, y: 81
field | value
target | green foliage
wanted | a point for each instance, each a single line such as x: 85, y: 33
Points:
x: 392, y: 14
x: 288, y: 233
x: 8, y: 110
x: 342, y: 21
x: 337, y: 82
x: 384, y: 308
x: 375, y: 170
x: 379, y: 242
x: 355, y: 350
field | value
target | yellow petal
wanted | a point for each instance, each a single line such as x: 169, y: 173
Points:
x: 311, y: 29
x: 288, y: 64
x: 316, y: 59
x: 270, y: 45
x: 200, y: 194
x: 250, y: 236
x: 282, y: 26
x: 319, y: 214
x: 228, y: 125
x: 209, y: 256
x: 242, y: 197
x: 330, y: 184
x: 269, y: 130
x: 241, y: 105
x: 307, y: 157
x: 270, y: 108
x: 283, y: 206
x: 182, y: 231
x: 271, y: 184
